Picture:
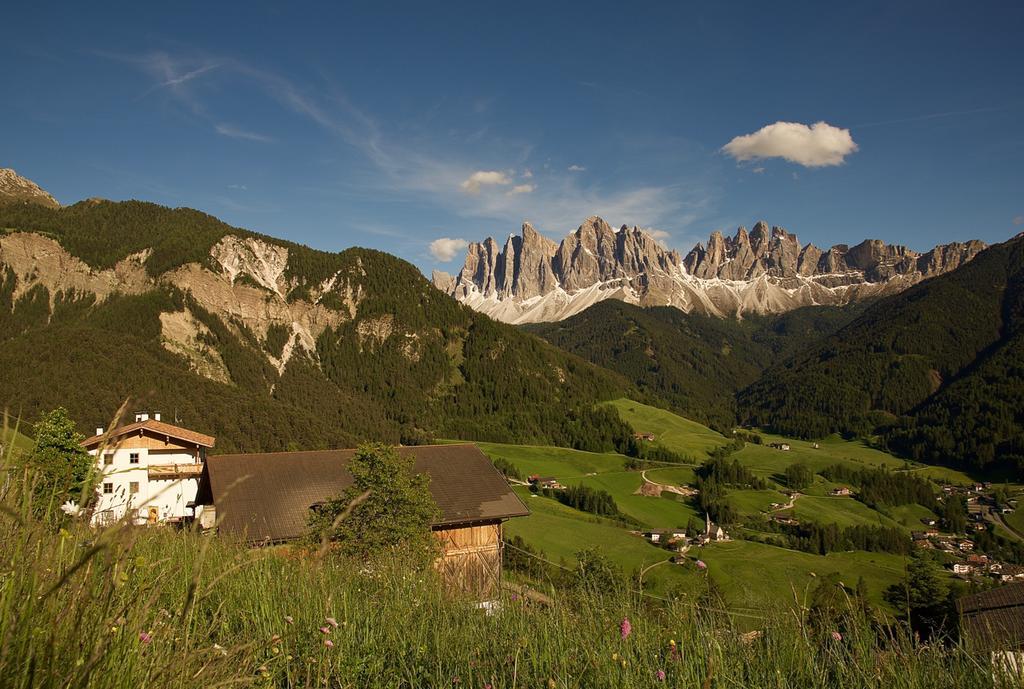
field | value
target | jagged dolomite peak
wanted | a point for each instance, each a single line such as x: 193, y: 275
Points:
x: 766, y: 270
x: 17, y: 189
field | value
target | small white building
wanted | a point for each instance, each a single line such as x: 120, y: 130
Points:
x: 150, y: 470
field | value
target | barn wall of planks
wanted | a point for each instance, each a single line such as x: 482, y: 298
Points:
x: 470, y: 560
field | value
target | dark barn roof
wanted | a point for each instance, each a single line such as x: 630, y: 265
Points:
x: 994, y: 619
x: 267, y: 497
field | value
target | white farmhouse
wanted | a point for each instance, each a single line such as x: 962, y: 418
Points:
x: 150, y: 470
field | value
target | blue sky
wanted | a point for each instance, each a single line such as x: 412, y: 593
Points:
x: 348, y: 124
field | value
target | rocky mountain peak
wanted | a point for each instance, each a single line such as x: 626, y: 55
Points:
x: 765, y: 270
x: 17, y: 189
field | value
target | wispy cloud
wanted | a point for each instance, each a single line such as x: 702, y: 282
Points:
x: 459, y: 180
x: 816, y: 145
x: 922, y: 118
x: 236, y: 133
x: 1018, y: 220
x: 238, y: 187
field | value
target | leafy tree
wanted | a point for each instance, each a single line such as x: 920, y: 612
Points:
x: 595, y: 572
x: 387, y: 506
x: 923, y: 596
x: 954, y: 514
x: 799, y: 476
x: 60, y: 465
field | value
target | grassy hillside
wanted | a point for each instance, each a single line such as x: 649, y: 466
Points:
x: 693, y: 364
x: 405, y: 364
x: 157, y: 607
x: 747, y: 572
x: 938, y: 368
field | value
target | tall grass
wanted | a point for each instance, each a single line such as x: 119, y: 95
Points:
x: 151, y: 607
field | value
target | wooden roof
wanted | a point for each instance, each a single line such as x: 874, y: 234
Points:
x: 267, y: 497
x: 994, y: 619
x: 154, y: 426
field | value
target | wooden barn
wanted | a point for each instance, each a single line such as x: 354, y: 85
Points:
x: 266, y: 499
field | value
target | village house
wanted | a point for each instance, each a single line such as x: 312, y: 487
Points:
x: 1009, y: 573
x: 962, y: 568
x: 267, y: 499
x: 542, y: 482
x: 649, y: 437
x: 993, y: 622
x: 780, y: 446
x: 965, y: 545
x: 841, y: 491
x: 150, y: 470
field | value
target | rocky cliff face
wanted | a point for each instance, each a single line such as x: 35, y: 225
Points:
x: 16, y: 189
x: 765, y: 270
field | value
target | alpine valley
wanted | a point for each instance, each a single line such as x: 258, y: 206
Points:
x: 101, y: 300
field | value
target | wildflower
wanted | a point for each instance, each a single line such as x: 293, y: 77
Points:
x: 328, y: 643
x: 71, y: 508
x: 625, y: 628
x: 488, y: 686
x: 551, y: 683
x: 331, y: 621
x: 672, y: 643
x: 660, y: 675
x: 615, y: 657
x: 623, y: 663
x: 456, y: 681
x: 275, y: 638
x: 145, y: 637
x: 701, y: 564
x: 288, y: 619
x: 220, y: 649
x: 325, y: 630
x: 836, y: 636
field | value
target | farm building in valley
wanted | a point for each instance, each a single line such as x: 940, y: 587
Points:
x: 267, y: 498
x: 150, y: 470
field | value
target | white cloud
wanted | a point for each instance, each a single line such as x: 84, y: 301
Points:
x: 522, y: 189
x: 817, y: 145
x: 1018, y: 220
x: 527, y: 173
x: 576, y: 168
x: 758, y: 170
x: 481, y: 178
x: 239, y: 187
x: 445, y: 248
x: 660, y: 235
x: 236, y: 133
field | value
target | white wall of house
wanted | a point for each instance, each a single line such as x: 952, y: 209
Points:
x: 127, y: 489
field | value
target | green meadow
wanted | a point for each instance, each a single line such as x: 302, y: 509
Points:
x: 747, y: 572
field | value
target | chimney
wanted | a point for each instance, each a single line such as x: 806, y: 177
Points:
x: 156, y: 416
x: 141, y: 416
x: 99, y: 430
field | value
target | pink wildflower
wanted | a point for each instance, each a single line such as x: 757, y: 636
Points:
x: 488, y: 686
x: 660, y: 675
x: 625, y: 628
x: 836, y: 636
x: 288, y: 619
x: 145, y: 637
x: 325, y: 630
x: 331, y: 621
x: 328, y: 643
x: 701, y: 564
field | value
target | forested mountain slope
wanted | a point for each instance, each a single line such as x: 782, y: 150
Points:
x: 695, y: 364
x: 264, y: 343
x: 939, y: 369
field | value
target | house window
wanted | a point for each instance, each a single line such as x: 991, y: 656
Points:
x: 108, y: 459
x: 108, y: 488
x: 133, y: 458
x: 133, y: 487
